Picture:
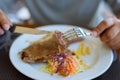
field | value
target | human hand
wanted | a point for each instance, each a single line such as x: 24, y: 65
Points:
x: 109, y: 32
x: 4, y: 22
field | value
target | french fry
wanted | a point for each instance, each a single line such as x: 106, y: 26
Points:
x: 79, y: 50
x: 83, y: 49
x: 88, y: 50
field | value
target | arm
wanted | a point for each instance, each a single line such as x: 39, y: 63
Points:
x: 109, y: 29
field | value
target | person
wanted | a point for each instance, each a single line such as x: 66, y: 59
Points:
x: 95, y: 13
x: 75, y: 12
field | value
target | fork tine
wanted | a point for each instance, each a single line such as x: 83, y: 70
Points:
x: 81, y: 32
x: 74, y: 34
x: 70, y: 34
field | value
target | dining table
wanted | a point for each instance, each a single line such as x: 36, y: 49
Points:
x: 9, y: 72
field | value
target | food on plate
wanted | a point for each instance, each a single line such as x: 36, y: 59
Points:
x: 40, y: 50
x: 64, y: 63
x: 52, y: 49
x: 82, y: 50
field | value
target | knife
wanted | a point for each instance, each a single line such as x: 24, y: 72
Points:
x: 25, y: 30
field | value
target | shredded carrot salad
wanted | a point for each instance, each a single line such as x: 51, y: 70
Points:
x: 65, y: 63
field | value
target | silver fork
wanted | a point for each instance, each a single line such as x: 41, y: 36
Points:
x: 75, y: 34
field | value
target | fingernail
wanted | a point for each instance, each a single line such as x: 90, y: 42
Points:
x: 94, y: 34
x: 1, y: 32
x: 6, y: 26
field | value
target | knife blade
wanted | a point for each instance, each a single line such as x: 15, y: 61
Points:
x: 26, y: 30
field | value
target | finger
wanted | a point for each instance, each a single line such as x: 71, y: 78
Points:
x: 6, y: 26
x: 4, y: 21
x: 1, y: 31
x: 117, y: 46
x: 110, y: 34
x: 103, y: 26
x: 114, y: 42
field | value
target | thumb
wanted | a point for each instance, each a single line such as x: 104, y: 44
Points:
x: 105, y: 24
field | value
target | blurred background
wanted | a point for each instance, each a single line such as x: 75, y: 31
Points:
x: 19, y: 14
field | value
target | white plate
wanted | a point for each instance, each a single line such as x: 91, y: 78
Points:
x: 100, y: 59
